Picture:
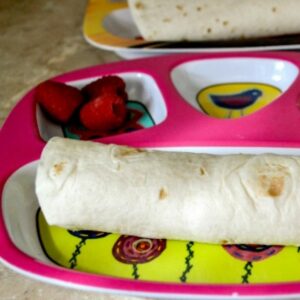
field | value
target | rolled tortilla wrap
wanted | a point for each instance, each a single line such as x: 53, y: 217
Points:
x: 205, y: 198
x: 199, y: 20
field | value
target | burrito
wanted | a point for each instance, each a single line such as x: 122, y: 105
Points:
x: 220, y: 199
x: 205, y: 20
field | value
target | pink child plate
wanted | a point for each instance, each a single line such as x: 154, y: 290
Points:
x: 211, y: 103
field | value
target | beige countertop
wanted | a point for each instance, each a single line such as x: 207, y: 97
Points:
x: 40, y: 39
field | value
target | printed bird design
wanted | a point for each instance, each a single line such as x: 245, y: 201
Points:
x: 237, y: 101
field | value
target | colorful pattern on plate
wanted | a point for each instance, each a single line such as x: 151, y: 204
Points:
x: 138, y: 118
x: 134, y: 250
x: 235, y: 100
x: 83, y: 235
x: 167, y: 261
x: 250, y: 254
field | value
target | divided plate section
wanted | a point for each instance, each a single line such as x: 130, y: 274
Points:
x: 146, y: 108
x: 229, y: 88
x: 154, y: 259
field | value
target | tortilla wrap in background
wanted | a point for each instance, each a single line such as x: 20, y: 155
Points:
x: 228, y: 199
x: 207, y: 20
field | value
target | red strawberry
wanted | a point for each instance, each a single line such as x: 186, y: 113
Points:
x: 104, y: 113
x: 58, y: 100
x: 105, y: 85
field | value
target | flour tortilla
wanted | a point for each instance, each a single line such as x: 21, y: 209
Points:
x: 198, y: 20
x: 213, y: 199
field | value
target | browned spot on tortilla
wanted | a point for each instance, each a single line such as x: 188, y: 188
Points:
x: 184, y: 14
x: 199, y: 8
x: 276, y: 186
x: 167, y: 20
x: 225, y: 23
x: 139, y: 5
x: 123, y: 152
x: 59, y: 167
x: 208, y: 30
x: 224, y: 242
x: 179, y: 7
x: 273, y: 186
x: 271, y: 179
x: 163, y: 194
x: 202, y: 171
x: 274, y: 9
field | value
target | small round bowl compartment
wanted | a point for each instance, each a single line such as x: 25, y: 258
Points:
x: 229, y: 88
x: 146, y: 108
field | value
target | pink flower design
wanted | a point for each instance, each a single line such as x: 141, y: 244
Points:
x: 251, y: 253
x: 133, y: 250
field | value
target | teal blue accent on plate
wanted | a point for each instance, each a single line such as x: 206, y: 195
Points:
x: 146, y: 120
